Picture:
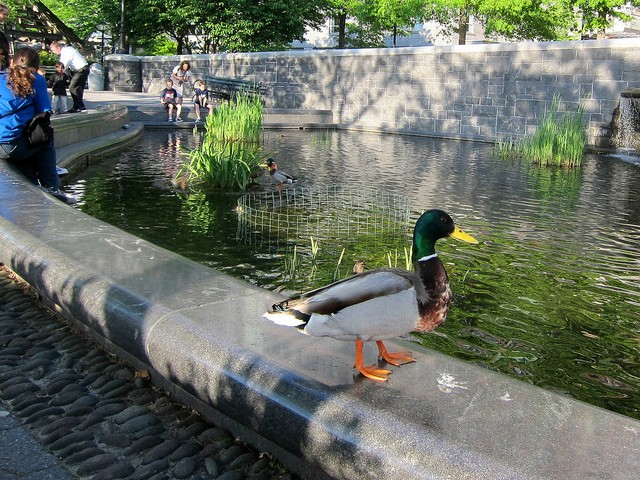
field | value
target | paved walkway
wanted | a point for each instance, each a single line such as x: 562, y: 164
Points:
x: 93, y: 99
x: 69, y: 410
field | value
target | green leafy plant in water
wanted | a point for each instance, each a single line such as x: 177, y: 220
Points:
x: 336, y: 272
x: 559, y: 140
x: 393, y: 257
x: 321, y: 139
x: 291, y: 266
x: 229, y: 155
x: 507, y: 148
x: 308, y: 271
x: 315, y: 249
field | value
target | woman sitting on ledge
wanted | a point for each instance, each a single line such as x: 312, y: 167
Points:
x: 23, y: 96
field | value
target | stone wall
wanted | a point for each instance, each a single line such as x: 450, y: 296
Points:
x: 475, y: 92
x: 123, y: 73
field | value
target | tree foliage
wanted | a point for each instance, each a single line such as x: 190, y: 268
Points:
x: 231, y: 26
x: 196, y: 26
x: 511, y: 19
x: 364, y: 23
x: 597, y: 15
x: 259, y: 25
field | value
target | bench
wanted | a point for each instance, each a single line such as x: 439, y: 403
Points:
x: 228, y: 88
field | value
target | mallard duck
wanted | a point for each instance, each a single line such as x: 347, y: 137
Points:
x: 360, y: 266
x: 279, y: 176
x: 383, y: 303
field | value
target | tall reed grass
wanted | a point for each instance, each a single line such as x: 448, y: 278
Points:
x: 239, y: 121
x: 230, y: 155
x: 559, y: 140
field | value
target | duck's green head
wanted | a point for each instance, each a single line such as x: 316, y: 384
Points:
x: 432, y: 226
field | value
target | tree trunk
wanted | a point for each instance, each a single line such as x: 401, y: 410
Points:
x: 463, y: 27
x: 342, y: 29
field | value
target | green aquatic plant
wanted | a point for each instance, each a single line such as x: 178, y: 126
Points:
x: 394, y: 257
x: 321, y: 138
x: 222, y: 165
x: 559, y: 139
x: 291, y: 266
x: 307, y: 268
x: 507, y: 148
x: 240, y: 121
x: 229, y: 156
x: 315, y: 249
x: 336, y: 272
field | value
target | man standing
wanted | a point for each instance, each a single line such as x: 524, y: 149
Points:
x: 75, y: 62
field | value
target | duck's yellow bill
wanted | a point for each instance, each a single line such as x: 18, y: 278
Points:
x: 458, y: 234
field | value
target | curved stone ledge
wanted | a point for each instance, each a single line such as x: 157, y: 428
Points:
x: 75, y: 128
x: 201, y: 334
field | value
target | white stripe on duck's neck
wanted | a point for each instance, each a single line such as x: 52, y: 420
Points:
x: 428, y: 257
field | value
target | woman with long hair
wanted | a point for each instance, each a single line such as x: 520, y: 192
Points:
x: 23, y: 96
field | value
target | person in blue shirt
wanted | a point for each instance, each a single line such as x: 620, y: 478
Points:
x: 23, y: 95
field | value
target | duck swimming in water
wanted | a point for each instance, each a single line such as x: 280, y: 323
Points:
x: 279, y: 176
x: 383, y: 303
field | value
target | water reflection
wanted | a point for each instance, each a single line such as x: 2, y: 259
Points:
x: 550, y: 296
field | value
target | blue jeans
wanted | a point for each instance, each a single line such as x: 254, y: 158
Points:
x: 37, y: 163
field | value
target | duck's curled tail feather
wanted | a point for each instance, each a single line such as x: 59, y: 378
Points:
x: 281, y: 314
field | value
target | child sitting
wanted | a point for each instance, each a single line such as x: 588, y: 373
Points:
x: 201, y: 99
x: 168, y: 98
x: 58, y: 82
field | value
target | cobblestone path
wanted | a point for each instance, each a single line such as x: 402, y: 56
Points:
x: 101, y: 419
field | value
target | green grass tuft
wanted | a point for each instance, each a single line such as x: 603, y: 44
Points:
x: 559, y: 140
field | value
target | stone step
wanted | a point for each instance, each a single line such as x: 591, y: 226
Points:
x: 151, y: 114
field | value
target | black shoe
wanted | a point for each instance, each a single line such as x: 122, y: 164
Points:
x: 76, y: 110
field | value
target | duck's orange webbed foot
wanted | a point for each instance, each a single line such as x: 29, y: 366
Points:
x: 377, y: 374
x: 394, y: 358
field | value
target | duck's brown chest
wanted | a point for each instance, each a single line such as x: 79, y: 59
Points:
x: 435, y: 297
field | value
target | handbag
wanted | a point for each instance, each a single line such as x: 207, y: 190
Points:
x: 38, y: 131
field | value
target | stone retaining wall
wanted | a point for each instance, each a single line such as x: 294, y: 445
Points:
x: 475, y: 92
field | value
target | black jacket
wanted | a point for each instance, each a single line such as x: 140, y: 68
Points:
x: 58, y: 83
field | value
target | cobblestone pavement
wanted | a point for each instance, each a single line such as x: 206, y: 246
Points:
x: 96, y: 417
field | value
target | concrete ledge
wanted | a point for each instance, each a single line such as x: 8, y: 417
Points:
x: 201, y: 334
x: 73, y: 128
x: 78, y: 156
x: 272, y: 118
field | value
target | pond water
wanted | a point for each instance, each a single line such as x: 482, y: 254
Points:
x: 551, y: 295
